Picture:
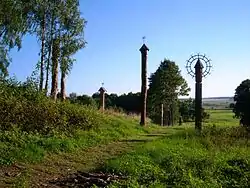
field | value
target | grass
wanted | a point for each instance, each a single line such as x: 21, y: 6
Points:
x: 218, y: 158
x: 222, y: 118
x: 45, y: 156
x: 150, y: 157
x: 32, y: 147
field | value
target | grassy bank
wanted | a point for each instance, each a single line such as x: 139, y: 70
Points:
x: 21, y: 146
x: 32, y: 125
x: 43, y: 157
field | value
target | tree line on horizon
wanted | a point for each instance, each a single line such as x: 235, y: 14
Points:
x: 130, y: 104
x: 166, y: 84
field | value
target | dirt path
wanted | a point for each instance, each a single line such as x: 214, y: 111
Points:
x: 60, y: 165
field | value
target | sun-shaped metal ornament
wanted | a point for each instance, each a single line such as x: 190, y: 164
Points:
x: 206, y: 64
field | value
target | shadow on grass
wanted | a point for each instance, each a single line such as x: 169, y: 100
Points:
x: 181, y: 128
x: 155, y: 135
x: 136, y: 140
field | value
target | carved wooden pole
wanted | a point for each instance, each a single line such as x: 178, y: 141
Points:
x: 102, y: 98
x: 144, y: 50
x: 198, y: 95
x: 198, y: 73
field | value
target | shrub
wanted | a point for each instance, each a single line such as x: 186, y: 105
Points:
x: 23, y: 107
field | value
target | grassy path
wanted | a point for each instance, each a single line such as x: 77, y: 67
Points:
x: 59, y: 165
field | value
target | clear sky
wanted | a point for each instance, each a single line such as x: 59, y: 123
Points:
x: 174, y: 29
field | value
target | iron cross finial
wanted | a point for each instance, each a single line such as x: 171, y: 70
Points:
x: 102, y: 84
x: 143, y: 39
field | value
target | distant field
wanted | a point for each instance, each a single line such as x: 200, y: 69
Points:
x: 217, y: 103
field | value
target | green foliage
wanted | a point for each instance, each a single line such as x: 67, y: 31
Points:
x: 231, y: 105
x: 84, y: 100
x: 184, y: 159
x: 72, y: 38
x: 187, y: 110
x: 32, y: 124
x: 242, y: 103
x: 129, y: 103
x: 165, y: 85
x: 23, y: 107
x: 54, y: 20
x: 15, y: 21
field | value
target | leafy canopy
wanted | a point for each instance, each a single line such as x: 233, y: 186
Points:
x: 242, y: 102
x: 15, y: 21
x: 167, y: 83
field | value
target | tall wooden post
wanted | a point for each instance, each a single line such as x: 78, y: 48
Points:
x: 102, y: 98
x: 144, y: 50
x: 198, y: 73
x: 198, y: 95
x: 162, y: 114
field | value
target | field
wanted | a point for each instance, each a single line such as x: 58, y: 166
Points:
x: 147, y: 157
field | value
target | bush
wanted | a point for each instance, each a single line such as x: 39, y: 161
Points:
x: 187, y: 110
x: 23, y: 107
x: 84, y: 100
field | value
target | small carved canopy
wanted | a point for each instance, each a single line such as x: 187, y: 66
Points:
x: 144, y: 48
x: 102, y: 90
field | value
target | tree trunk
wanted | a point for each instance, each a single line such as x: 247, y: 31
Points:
x: 42, y: 53
x: 63, y: 86
x: 49, y: 53
x: 55, y: 58
x: 173, y: 115
x: 47, y: 70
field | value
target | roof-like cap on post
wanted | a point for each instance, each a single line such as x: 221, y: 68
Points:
x: 144, y: 48
x: 198, y: 65
x: 102, y: 89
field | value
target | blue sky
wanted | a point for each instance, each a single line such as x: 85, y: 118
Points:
x: 174, y: 29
